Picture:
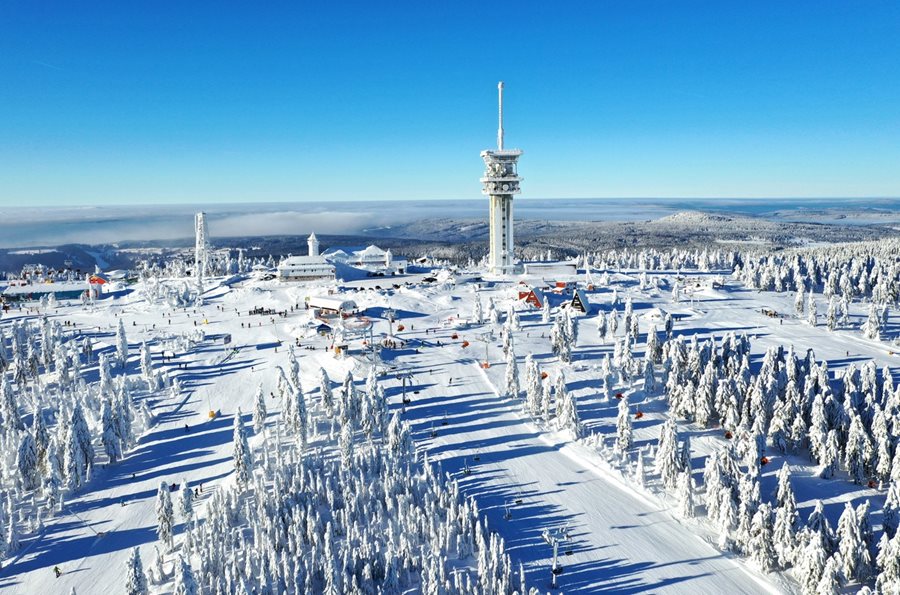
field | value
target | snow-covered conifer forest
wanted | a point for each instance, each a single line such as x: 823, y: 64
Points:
x: 717, y: 421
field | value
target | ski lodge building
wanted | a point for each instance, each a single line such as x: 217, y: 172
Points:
x: 371, y: 258
x: 306, y: 268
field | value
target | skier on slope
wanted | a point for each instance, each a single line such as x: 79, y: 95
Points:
x: 57, y: 571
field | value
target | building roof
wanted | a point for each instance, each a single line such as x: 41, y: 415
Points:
x: 302, y: 260
x: 331, y: 303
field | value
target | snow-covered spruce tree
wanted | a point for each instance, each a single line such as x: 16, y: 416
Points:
x: 147, y: 366
x: 477, y: 311
x: 624, y: 432
x: 493, y: 313
x: 812, y: 315
x: 799, y: 301
x: 546, y: 403
x: 545, y: 311
x: 832, y: 577
x: 685, y: 493
x: 293, y: 369
x: 761, y: 546
x: 135, y: 579
x: 667, y: 454
x: 831, y: 314
x: 560, y: 342
x: 787, y: 519
x: 242, y: 457
x: 27, y: 462
x: 350, y: 402
x: 186, y: 503
x: 298, y: 420
x: 872, y: 326
x: 890, y: 513
x: 184, y: 578
x: 9, y: 406
x: 513, y: 322
x: 853, y: 553
x: 566, y: 408
x: 112, y: 444
x: 571, y: 322
x: 511, y: 387
x: 259, y: 411
x: 888, y: 560
x: 121, y: 345
x: 649, y: 377
x: 601, y: 328
x: 654, y: 347
x: 326, y: 396
x: 165, y: 516
x: 533, y: 386
x: 855, y: 448
x: 79, y: 452
x: 810, y: 564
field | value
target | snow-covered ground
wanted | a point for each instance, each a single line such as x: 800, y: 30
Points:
x: 526, y: 477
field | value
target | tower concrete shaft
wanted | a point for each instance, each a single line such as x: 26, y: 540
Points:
x: 201, y: 246
x: 501, y: 183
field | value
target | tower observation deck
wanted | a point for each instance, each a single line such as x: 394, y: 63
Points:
x: 500, y: 182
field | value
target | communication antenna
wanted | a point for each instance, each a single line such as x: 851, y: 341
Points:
x: 500, y: 116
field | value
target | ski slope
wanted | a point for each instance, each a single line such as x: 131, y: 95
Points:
x: 525, y: 478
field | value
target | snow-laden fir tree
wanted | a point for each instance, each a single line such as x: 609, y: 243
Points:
x: 601, y: 328
x: 242, y: 457
x: 477, y: 311
x: 812, y: 314
x: 787, y: 519
x: 571, y: 322
x: 186, y: 503
x: 79, y: 452
x: 890, y: 512
x: 493, y: 313
x: 513, y: 322
x: 165, y: 516
x: 832, y: 577
x: 511, y: 387
x: 533, y: 386
x: 147, y: 366
x: 888, y: 560
x: 872, y: 326
x: 761, y: 546
x: 293, y: 369
x: 649, y: 377
x: 545, y: 311
x: 135, y: 579
x: 853, y: 554
x: 27, y: 462
x: 184, y: 578
x: 546, y: 403
x: 799, y: 301
x: 259, y: 411
x: 560, y: 342
x: 112, y: 444
x: 121, y: 345
x: 811, y: 563
x: 624, y: 432
x: 566, y: 407
x: 667, y: 454
x: 326, y: 395
x: 831, y: 314
x: 685, y: 493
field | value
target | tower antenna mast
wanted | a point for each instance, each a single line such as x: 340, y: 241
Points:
x: 500, y: 116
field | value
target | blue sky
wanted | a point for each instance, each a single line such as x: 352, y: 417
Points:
x: 126, y: 102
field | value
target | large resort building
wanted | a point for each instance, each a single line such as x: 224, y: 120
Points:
x: 306, y: 268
